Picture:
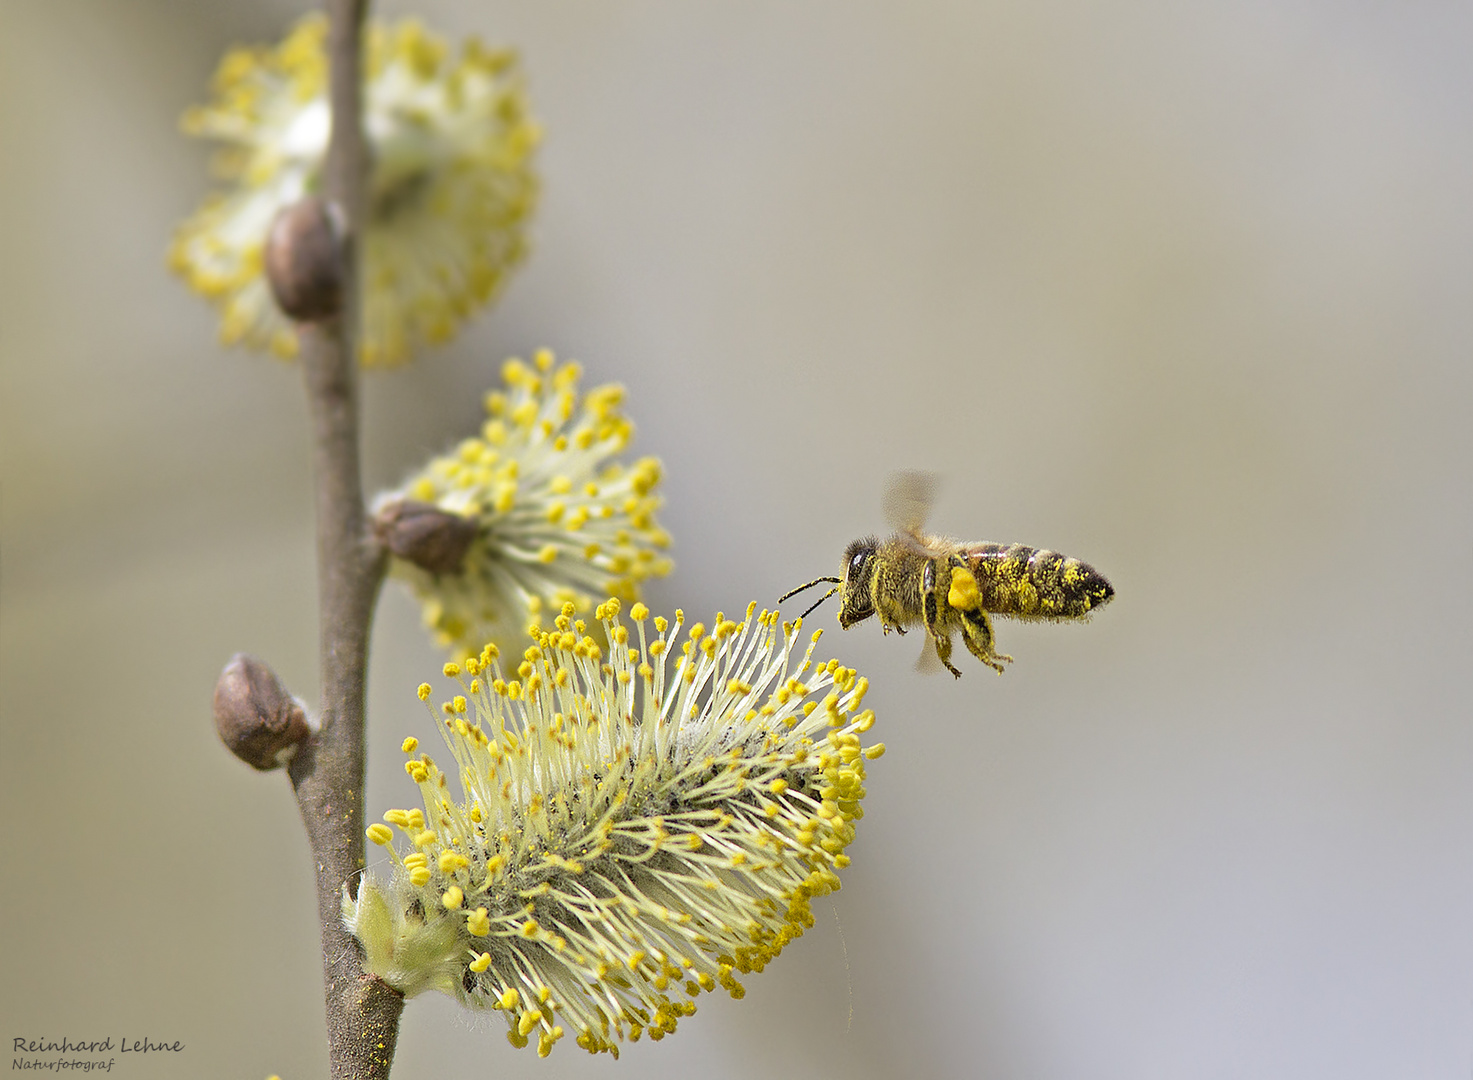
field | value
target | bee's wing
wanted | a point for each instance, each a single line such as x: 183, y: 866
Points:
x: 928, y: 663
x: 908, y: 499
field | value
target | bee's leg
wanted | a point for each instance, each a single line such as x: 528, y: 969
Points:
x: 977, y: 632
x: 929, y: 607
x: 943, y: 651
x: 928, y: 596
x: 965, y: 598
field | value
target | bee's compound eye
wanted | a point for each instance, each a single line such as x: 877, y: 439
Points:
x: 856, y: 564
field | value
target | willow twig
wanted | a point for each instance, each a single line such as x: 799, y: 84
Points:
x: 328, y: 771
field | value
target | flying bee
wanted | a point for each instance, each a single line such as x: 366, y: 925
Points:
x: 952, y: 585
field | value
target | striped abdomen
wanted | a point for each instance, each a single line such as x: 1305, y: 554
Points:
x: 1030, y: 583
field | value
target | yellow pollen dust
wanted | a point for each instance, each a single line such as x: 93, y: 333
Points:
x: 563, y: 770
x: 964, y: 593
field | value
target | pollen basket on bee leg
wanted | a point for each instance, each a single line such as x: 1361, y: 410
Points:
x: 963, y: 594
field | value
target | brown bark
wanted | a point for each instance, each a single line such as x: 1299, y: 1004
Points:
x: 328, y: 771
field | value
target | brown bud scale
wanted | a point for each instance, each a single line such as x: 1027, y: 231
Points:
x: 304, y: 259
x: 256, y: 717
x: 425, y: 535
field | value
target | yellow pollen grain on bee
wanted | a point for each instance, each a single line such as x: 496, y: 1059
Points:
x: 964, y: 593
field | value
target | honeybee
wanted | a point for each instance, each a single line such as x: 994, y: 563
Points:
x: 952, y: 585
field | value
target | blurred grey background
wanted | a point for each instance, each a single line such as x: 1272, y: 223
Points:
x: 1182, y: 289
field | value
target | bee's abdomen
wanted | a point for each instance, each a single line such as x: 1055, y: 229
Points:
x: 1032, y: 583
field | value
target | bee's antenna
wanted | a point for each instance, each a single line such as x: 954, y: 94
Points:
x: 811, y: 584
x: 816, y: 581
x: 820, y: 600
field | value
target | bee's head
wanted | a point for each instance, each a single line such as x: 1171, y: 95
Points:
x: 856, y: 602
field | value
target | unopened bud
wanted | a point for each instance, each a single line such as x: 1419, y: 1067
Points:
x: 304, y: 259
x: 257, y: 719
x: 425, y: 535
